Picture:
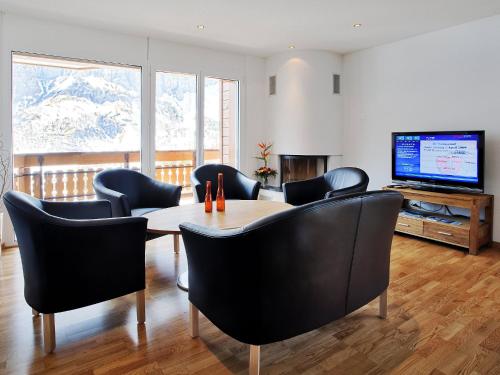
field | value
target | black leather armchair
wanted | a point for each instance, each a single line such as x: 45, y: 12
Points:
x: 292, y: 272
x: 74, y: 255
x: 335, y: 183
x: 132, y: 193
x: 236, y: 184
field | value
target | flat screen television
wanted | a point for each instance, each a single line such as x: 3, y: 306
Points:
x: 439, y: 160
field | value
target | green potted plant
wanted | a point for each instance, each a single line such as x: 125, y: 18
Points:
x: 264, y: 172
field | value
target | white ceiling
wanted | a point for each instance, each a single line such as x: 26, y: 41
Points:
x: 264, y: 27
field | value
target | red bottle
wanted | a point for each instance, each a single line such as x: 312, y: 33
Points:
x: 208, y: 197
x: 220, y: 201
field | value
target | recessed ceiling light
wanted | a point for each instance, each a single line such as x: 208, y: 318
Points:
x: 356, y: 25
x: 291, y: 46
x: 200, y: 27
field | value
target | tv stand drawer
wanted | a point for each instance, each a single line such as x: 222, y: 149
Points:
x: 455, y: 235
x: 408, y: 225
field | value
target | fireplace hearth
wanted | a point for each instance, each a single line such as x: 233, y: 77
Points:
x: 302, y: 167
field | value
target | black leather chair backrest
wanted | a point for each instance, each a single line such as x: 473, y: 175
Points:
x: 130, y: 191
x: 335, y: 183
x: 369, y: 271
x: 236, y: 184
x: 294, y: 271
x: 71, y: 263
x: 140, y: 190
x: 347, y: 177
x: 125, y: 181
x: 29, y: 215
x: 27, y: 218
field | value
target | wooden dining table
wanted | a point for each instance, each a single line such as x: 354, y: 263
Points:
x: 237, y: 214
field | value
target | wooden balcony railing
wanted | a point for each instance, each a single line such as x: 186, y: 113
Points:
x: 69, y: 176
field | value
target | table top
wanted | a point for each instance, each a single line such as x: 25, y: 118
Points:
x: 238, y: 213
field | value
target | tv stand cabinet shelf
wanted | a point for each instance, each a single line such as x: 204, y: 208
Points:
x: 472, y: 234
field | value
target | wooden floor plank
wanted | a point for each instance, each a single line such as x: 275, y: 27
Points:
x: 443, y: 319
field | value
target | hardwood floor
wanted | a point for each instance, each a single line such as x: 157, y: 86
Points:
x: 443, y: 318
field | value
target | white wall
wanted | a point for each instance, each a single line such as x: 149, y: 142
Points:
x: 25, y: 34
x: 256, y: 116
x: 444, y: 80
x: 305, y: 117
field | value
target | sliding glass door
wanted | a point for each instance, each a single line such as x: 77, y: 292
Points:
x: 184, y: 140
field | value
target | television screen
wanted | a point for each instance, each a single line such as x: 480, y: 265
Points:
x: 453, y: 159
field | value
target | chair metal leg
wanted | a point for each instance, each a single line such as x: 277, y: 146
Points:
x: 176, y: 243
x: 383, y: 304
x: 49, y: 333
x: 141, y: 306
x: 35, y: 313
x: 193, y: 320
x: 254, y: 364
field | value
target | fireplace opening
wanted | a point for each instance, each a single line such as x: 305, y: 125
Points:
x: 302, y: 167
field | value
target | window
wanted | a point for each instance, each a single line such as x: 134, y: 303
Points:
x: 71, y: 119
x: 175, y: 122
x: 221, y: 121
x: 176, y: 131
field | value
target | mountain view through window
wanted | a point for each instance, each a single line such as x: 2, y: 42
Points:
x: 71, y: 106
x: 72, y: 119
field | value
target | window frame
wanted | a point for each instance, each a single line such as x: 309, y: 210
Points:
x: 200, y: 111
x: 143, y: 163
x: 237, y: 139
x: 148, y: 105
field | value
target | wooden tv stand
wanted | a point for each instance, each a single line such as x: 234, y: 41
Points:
x: 472, y: 234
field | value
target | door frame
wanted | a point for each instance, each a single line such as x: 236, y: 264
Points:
x: 200, y: 110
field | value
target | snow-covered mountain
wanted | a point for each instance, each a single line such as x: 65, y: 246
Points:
x: 63, y: 110
x: 74, y: 111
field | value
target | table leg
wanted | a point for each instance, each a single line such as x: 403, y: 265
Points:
x: 183, y: 278
x: 176, y: 243
x: 183, y: 281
